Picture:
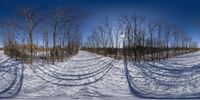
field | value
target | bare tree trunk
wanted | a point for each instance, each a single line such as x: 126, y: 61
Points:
x: 54, y: 41
x: 31, y: 46
x: 32, y: 19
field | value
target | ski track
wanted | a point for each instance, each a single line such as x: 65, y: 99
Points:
x: 177, y: 77
x: 91, y: 76
x: 84, y: 76
x: 11, y: 77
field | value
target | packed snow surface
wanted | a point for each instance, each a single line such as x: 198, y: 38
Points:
x: 177, y: 77
x: 91, y: 76
x: 84, y: 76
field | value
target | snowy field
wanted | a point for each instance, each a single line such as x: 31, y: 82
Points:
x: 84, y: 76
x: 177, y: 77
x: 91, y: 76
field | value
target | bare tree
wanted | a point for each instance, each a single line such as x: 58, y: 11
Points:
x: 66, y: 24
x: 31, y: 19
x: 117, y: 35
x: 167, y: 33
x: 9, y: 39
x: 46, y: 42
x: 151, y: 26
x: 133, y: 28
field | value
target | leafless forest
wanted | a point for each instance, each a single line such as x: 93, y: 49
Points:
x: 132, y: 34
x: 139, y: 38
x: 70, y: 49
x: 59, y: 34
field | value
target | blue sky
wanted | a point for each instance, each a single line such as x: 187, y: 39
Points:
x: 185, y: 13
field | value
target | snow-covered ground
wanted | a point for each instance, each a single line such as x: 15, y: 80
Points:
x: 10, y: 76
x: 177, y: 77
x: 84, y: 76
x: 91, y: 76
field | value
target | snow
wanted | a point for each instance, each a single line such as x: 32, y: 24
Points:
x: 84, y: 76
x: 91, y: 76
x: 10, y: 77
x: 177, y: 77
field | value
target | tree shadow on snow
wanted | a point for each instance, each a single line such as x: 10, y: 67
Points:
x: 156, y: 74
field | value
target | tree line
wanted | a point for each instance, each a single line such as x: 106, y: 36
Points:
x: 140, y: 36
x: 54, y: 33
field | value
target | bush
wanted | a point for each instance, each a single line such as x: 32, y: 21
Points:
x: 14, y: 52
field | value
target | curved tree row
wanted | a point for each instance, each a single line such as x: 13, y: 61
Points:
x: 35, y: 33
x: 144, y: 38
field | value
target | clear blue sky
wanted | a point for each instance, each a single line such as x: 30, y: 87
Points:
x: 186, y: 13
